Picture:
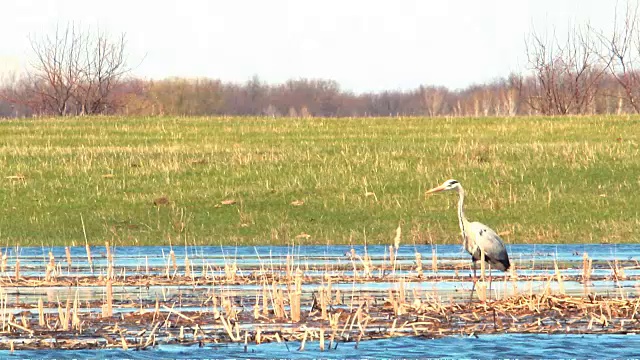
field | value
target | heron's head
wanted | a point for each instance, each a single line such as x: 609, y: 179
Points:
x: 446, y: 186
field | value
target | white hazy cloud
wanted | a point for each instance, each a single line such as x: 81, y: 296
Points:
x: 364, y: 45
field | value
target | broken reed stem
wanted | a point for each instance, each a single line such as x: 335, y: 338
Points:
x: 110, y: 274
x: 294, y: 299
x: 107, y: 308
x: 40, y: 312
x: 323, y: 302
x: 67, y: 253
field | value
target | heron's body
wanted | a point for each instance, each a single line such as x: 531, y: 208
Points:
x: 477, y: 237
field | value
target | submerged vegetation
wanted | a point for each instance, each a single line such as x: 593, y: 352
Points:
x: 197, y: 180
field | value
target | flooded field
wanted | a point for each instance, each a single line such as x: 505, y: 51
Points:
x: 316, y: 301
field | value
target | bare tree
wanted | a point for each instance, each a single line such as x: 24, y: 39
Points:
x: 566, y: 74
x: 102, y: 66
x: 433, y: 99
x: 76, y: 71
x: 622, y: 49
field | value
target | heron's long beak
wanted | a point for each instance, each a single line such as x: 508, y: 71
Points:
x: 435, y: 190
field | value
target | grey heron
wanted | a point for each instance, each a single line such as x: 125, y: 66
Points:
x: 477, y: 238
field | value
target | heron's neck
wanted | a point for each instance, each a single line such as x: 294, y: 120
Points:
x: 464, y: 223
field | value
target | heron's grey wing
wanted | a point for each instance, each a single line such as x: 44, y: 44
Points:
x: 491, y: 243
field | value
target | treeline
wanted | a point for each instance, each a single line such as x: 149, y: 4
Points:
x: 80, y: 73
x: 324, y: 98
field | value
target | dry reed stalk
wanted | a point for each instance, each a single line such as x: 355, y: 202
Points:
x: 187, y: 266
x: 419, y: 264
x: 226, y: 306
x: 62, y: 318
x: 393, y: 327
x: 481, y: 290
x: 89, y: 260
x: 110, y: 274
x: 586, y: 267
x: 123, y: 341
x: 321, y: 339
x: 367, y: 268
x: 258, y: 336
x: 174, y: 263
x: 434, y: 261
x: 3, y: 263
x: 329, y: 288
x: 323, y: 302
x: 230, y: 271
x: 11, y: 347
x: 304, y: 340
x: 227, y: 328
x: 392, y: 259
x: 12, y: 324
x: 107, y: 308
x: 275, y: 301
x: 75, y: 319
x: 181, y: 335
x: 17, y: 268
x: 25, y: 321
x: 332, y: 337
x: 86, y: 242
x: 288, y: 269
x: 294, y: 300
x: 397, y: 238
x: 40, y: 312
x: 265, y: 298
x: 338, y: 297
x: 67, y: 253
x: 618, y: 272
x: 171, y: 310
x: 152, y: 336
x: 559, y: 277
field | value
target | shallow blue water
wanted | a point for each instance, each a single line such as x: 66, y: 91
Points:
x: 484, y: 346
x: 250, y: 254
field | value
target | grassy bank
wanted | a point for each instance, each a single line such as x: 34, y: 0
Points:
x: 252, y: 181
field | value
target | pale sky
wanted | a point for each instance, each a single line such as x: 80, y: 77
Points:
x: 364, y: 45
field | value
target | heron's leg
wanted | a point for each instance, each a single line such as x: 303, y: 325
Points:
x: 489, y: 281
x: 474, y: 280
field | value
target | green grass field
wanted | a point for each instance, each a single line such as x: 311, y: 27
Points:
x: 323, y: 181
